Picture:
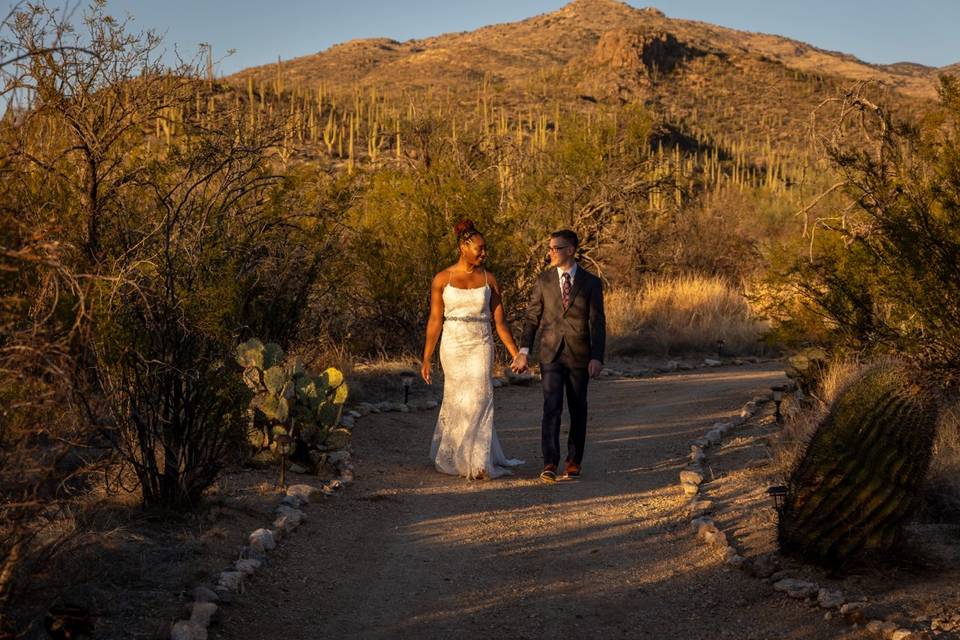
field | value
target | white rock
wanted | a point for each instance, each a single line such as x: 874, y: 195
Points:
x: 203, y: 613
x: 186, y: 630
x: 354, y: 414
x: 338, y: 457
x: 708, y: 532
x: 796, y: 588
x: 295, y: 515
x: 303, y: 492
x: 292, y: 501
x: 347, y: 421
x: 700, y: 507
x: 899, y: 634
x: 247, y: 567
x: 262, y: 541
x: 691, y: 476
x: 714, y: 536
x: 710, y: 362
x: 880, y: 627
x: 346, y: 476
x: 696, y: 523
x: 748, y: 409
x: 205, y: 594
x: 497, y: 383
x: 690, y: 489
x: 850, y: 607
x: 285, y: 524
x: 431, y: 404
x: 232, y: 580
x: 335, y: 485
x: 736, y: 561
x: 723, y: 427
x: 830, y: 599
x: 673, y: 365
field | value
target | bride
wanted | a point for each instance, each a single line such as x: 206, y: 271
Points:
x: 463, y: 298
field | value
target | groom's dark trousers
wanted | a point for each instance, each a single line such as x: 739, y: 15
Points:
x: 569, y: 339
x: 563, y: 377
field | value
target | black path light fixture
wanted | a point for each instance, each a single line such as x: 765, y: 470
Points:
x: 284, y: 448
x: 778, y: 494
x: 778, y: 392
x: 720, y: 344
x: 407, y: 378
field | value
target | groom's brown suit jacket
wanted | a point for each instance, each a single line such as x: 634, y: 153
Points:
x: 581, y: 329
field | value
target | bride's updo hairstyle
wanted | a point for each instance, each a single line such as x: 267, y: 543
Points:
x: 464, y: 230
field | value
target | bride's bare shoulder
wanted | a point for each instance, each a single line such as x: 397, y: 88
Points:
x: 442, y: 277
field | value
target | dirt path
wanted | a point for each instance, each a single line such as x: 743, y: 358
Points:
x: 408, y: 552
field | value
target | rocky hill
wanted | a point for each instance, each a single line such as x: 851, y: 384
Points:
x: 577, y: 42
x: 745, y: 94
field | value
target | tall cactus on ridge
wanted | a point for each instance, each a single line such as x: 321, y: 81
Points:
x: 861, y: 473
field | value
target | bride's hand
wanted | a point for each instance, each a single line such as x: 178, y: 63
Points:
x: 519, y: 364
x: 425, y: 372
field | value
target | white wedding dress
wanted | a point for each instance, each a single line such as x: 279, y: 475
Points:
x: 464, y: 441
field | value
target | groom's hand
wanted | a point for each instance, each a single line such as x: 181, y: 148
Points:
x: 519, y: 364
x: 594, y: 368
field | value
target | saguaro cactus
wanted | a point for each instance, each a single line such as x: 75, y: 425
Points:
x: 860, y: 475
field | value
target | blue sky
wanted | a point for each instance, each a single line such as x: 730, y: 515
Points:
x: 881, y: 31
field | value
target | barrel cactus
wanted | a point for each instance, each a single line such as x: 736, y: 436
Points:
x: 860, y: 475
x: 289, y: 398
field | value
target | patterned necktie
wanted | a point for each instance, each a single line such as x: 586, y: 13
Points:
x: 565, y: 289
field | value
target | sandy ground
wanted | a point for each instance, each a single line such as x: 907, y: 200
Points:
x: 408, y: 552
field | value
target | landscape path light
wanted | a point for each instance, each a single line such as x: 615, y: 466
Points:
x: 407, y: 378
x: 777, y: 400
x: 720, y: 344
x: 284, y: 448
x: 778, y: 494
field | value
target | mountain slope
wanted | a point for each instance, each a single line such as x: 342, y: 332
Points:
x: 513, y: 53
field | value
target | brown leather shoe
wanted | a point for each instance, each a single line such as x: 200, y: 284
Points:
x: 571, y: 471
x: 549, y: 473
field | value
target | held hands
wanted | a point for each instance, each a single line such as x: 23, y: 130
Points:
x: 519, y: 364
x: 425, y: 372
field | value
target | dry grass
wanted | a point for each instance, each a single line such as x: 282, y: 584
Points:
x: 803, y: 419
x: 680, y: 315
x: 943, y: 481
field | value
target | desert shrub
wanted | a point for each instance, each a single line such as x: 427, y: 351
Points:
x: 881, y: 268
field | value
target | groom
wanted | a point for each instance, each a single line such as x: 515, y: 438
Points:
x: 567, y: 306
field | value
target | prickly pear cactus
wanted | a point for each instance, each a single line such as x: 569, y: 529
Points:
x: 290, y: 398
x: 861, y: 473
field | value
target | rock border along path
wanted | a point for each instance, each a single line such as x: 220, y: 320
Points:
x: 692, y: 480
x: 290, y: 512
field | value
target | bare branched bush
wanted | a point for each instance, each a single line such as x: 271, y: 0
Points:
x: 144, y: 232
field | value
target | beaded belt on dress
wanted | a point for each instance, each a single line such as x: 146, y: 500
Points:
x: 467, y: 319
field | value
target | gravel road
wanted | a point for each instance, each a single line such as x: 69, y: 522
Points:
x: 408, y: 552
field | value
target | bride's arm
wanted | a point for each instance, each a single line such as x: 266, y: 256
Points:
x: 434, y: 324
x: 500, y: 319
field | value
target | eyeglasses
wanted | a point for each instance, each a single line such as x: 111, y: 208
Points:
x: 556, y: 249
